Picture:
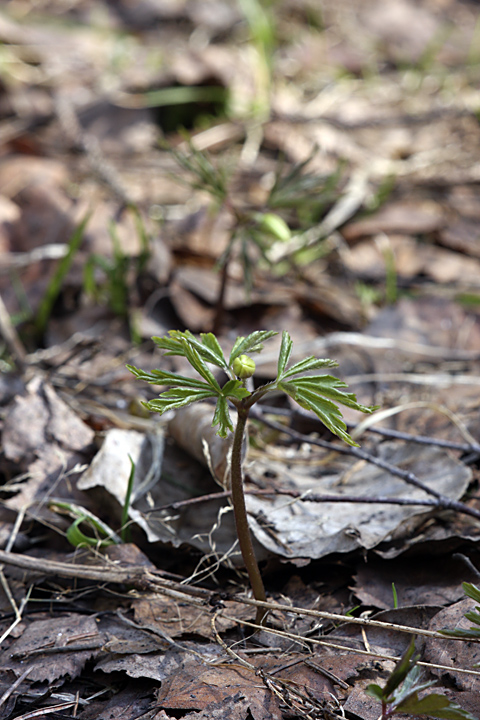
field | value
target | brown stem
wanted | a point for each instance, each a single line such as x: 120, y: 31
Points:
x: 240, y: 513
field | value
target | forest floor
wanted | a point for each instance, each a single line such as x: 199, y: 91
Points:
x: 301, y: 166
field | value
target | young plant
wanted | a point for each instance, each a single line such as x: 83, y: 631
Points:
x: 400, y: 693
x: 319, y: 393
x: 471, y: 633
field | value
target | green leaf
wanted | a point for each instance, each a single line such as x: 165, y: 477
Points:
x: 472, y: 591
x: 199, y: 365
x: 435, y: 705
x: 235, y: 389
x: 402, y: 668
x: 375, y: 691
x: 472, y: 634
x: 324, y: 409
x: 474, y: 617
x: 410, y: 687
x: 104, y: 535
x: 327, y: 385
x: 251, y: 343
x: 210, y: 341
x: 177, y: 398
x: 285, y: 352
x: 160, y: 377
x: 78, y: 539
x: 222, y: 418
x: 208, y: 347
x: 125, y: 532
x: 173, y: 344
x: 310, y: 363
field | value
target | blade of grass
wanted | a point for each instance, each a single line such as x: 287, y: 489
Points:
x: 125, y: 530
x: 53, y: 290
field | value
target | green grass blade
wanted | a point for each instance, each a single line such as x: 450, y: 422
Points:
x: 53, y: 290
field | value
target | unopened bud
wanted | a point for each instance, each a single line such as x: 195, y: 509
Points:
x: 276, y: 226
x: 243, y: 367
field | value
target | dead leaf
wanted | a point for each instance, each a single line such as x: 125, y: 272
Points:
x: 453, y: 653
x: 54, y: 647
x: 43, y: 434
x: 111, y: 467
x: 300, y: 528
x: 416, y: 583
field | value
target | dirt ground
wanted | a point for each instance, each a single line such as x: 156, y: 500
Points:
x: 309, y: 166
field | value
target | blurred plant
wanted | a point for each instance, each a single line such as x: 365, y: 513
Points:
x: 400, y: 693
x: 115, y: 289
x: 53, y: 290
x: 385, y: 248
x: 296, y: 198
x: 261, y: 23
x: 99, y: 533
x: 318, y: 393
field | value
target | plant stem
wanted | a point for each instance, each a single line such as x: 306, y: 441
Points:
x: 240, y: 513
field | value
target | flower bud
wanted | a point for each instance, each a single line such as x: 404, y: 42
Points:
x: 243, y: 367
x: 276, y: 226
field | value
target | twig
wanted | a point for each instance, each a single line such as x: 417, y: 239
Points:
x: 311, y: 497
x: 425, y: 440
x: 336, y: 646
x: 385, y: 432
x: 46, y: 710
x: 442, y: 500
x: 14, y: 686
x: 144, y: 579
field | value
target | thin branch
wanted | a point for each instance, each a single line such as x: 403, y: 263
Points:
x: 336, y: 646
x: 385, y: 432
x: 311, y: 497
x: 443, y: 501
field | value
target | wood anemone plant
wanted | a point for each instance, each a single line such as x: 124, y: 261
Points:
x: 319, y: 393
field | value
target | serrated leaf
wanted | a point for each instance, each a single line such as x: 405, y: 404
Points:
x: 405, y: 665
x: 327, y: 385
x: 199, y: 365
x: 324, y: 409
x: 161, y: 377
x: 235, y: 389
x: 472, y: 591
x: 375, y: 691
x: 472, y: 634
x: 411, y: 686
x: 209, y: 350
x: 285, y: 352
x: 310, y: 363
x: 222, y: 418
x: 177, y: 398
x: 474, y: 617
x: 208, y: 347
x: 435, y: 705
x: 250, y: 344
x: 173, y: 344
x: 210, y: 341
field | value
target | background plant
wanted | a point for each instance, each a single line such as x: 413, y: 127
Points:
x: 400, y: 694
x: 318, y: 393
x: 473, y: 632
x: 297, y: 199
